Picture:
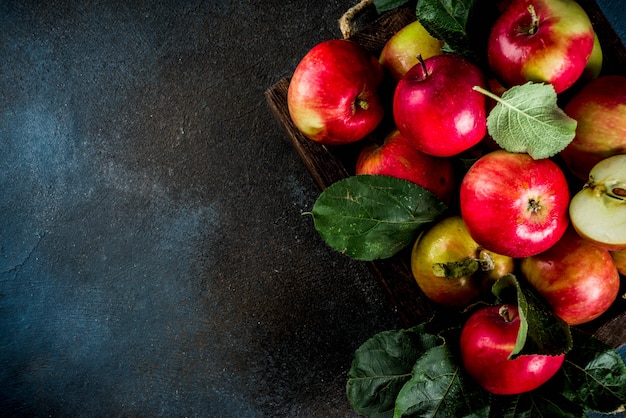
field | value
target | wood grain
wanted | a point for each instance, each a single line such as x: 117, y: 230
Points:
x: 330, y: 164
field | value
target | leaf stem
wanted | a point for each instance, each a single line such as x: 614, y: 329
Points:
x: 488, y: 93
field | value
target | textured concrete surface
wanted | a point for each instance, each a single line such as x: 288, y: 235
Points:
x: 153, y: 259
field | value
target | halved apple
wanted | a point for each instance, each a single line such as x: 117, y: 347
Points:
x: 598, y: 211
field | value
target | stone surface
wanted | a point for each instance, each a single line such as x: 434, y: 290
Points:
x: 153, y: 256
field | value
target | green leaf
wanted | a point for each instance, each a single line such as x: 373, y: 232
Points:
x: 439, y: 387
x: 447, y: 20
x: 369, y: 217
x: 382, y: 365
x: 541, y: 332
x: 595, y: 375
x: 528, y: 119
x: 386, y: 5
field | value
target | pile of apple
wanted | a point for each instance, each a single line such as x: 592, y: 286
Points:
x: 560, y: 221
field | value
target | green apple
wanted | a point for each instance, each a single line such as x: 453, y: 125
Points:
x: 594, y: 65
x: 598, y: 211
x: 619, y: 258
x: 451, y: 268
x: 401, y: 50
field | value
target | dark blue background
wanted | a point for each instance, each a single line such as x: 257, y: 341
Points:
x: 153, y: 256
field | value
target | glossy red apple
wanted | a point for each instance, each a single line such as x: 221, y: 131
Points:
x: 436, y: 108
x: 333, y: 94
x: 577, y: 278
x: 400, y: 52
x: 514, y: 205
x: 542, y: 41
x: 451, y: 268
x: 487, y: 339
x: 600, y: 110
x: 396, y: 157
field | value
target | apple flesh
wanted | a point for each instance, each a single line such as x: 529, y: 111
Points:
x: 400, y: 52
x: 599, y: 109
x: 577, y: 278
x: 451, y: 268
x: 396, y: 157
x: 333, y: 93
x: 514, y: 205
x: 542, y: 41
x: 436, y: 108
x: 598, y: 211
x: 487, y: 340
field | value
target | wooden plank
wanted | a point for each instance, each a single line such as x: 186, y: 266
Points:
x: 330, y: 164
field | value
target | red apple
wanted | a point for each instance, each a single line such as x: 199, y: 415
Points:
x: 451, y: 268
x: 400, y: 52
x: 577, y: 278
x: 542, y: 41
x: 600, y: 110
x: 514, y: 205
x: 333, y: 94
x: 396, y: 157
x: 436, y: 108
x: 487, y: 340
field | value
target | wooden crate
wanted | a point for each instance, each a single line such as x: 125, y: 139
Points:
x: 330, y: 164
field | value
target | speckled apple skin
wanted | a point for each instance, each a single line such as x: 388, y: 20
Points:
x: 576, y: 277
x: 397, y: 158
x: 599, y: 109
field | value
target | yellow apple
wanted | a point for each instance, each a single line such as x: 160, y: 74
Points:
x: 619, y: 258
x: 401, y: 50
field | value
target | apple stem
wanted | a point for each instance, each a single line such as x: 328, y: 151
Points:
x: 534, y: 23
x: 362, y: 104
x: 422, y: 63
x: 506, y: 314
x: 464, y: 267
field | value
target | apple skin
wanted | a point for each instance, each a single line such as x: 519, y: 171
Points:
x: 600, y: 110
x: 594, y: 65
x: 396, y: 157
x: 577, y: 278
x: 448, y: 241
x: 487, y: 339
x: 400, y: 52
x: 436, y: 108
x: 556, y: 52
x: 333, y: 93
x: 619, y: 258
x: 514, y: 205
